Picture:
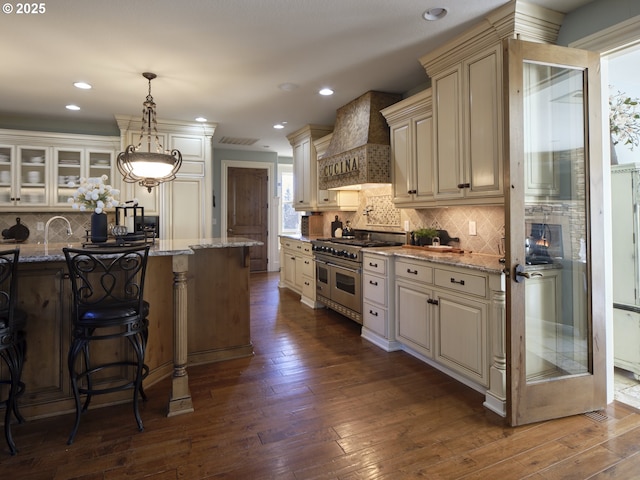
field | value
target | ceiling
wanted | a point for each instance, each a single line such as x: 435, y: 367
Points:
x: 220, y: 59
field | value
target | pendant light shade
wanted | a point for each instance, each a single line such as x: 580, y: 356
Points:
x: 155, y: 166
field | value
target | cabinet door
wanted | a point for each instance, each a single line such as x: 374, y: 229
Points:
x: 301, y: 175
x: 448, y: 126
x: 100, y: 162
x: 67, y: 167
x: 413, y: 317
x: 483, y: 119
x: 184, y: 204
x: 289, y: 259
x: 7, y: 160
x: 31, y: 185
x: 401, y: 152
x: 461, y: 336
x: 423, y: 162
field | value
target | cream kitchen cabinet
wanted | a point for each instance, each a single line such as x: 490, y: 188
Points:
x: 298, y: 272
x: 414, y: 307
x: 411, y: 125
x: 305, y: 165
x: 184, y: 205
x: 332, y: 200
x: 35, y: 167
x: 378, y: 315
x: 467, y: 111
x: 453, y: 318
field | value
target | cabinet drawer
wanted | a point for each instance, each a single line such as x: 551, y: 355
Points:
x: 290, y: 244
x: 375, y: 264
x: 308, y: 267
x: 375, y: 318
x: 414, y: 271
x: 306, y: 248
x: 375, y: 289
x: 461, y: 282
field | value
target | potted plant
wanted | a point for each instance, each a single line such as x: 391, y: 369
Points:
x: 424, y: 236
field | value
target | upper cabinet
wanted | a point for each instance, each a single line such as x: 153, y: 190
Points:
x: 185, y: 204
x: 305, y: 165
x: 411, y: 125
x: 468, y: 129
x: 36, y: 167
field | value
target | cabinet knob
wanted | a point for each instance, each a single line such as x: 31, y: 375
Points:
x: 414, y: 191
x: 433, y: 301
x: 464, y: 185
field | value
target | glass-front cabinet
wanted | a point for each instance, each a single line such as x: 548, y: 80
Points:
x: 70, y: 165
x: 36, y: 168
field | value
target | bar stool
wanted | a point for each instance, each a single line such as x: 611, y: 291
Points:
x: 107, y: 286
x: 12, y: 340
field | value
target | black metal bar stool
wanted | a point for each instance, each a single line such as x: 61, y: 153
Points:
x: 107, y: 285
x: 12, y: 341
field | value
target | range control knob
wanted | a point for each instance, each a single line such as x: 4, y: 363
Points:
x: 353, y: 255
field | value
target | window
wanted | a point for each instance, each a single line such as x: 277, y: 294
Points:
x: 289, y: 218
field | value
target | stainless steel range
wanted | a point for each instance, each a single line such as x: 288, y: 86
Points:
x: 339, y: 268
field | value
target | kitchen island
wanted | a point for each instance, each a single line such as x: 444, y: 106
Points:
x: 198, y: 290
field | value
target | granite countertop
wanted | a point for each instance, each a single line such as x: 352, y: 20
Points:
x: 475, y: 261
x: 39, y: 252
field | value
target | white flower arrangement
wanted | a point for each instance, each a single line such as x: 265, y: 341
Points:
x: 624, y: 120
x: 93, y: 194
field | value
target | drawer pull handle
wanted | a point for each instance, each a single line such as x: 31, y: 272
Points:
x: 371, y: 282
x: 464, y: 185
x: 412, y: 191
x: 307, y: 283
x: 293, y: 258
x: 414, y: 272
x: 375, y: 314
x: 306, y: 262
x: 374, y: 265
x: 459, y: 282
x: 432, y: 301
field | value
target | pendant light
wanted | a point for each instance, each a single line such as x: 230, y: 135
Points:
x: 151, y: 168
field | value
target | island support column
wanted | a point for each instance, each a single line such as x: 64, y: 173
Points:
x: 180, y: 399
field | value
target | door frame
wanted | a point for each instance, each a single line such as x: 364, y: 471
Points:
x: 272, y: 244
x: 608, y: 41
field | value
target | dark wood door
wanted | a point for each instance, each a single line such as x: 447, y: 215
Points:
x: 248, y: 210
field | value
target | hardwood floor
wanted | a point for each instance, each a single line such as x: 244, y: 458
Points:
x: 318, y: 402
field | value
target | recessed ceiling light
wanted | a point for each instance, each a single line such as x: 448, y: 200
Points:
x: 82, y: 85
x: 435, y: 13
x: 201, y: 119
x: 72, y: 107
x: 278, y: 126
x: 326, y: 91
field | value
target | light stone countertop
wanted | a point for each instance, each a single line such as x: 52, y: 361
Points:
x: 475, y: 261
x: 39, y: 252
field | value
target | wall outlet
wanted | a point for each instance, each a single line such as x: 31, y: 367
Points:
x: 215, y: 221
x: 472, y: 228
x: 39, y: 226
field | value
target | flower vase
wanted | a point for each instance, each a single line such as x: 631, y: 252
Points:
x: 98, y: 227
x: 614, y: 155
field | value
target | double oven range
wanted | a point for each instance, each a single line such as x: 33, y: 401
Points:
x: 339, y: 268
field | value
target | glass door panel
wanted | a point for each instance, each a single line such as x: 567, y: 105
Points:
x: 554, y: 215
x: 6, y: 175
x: 68, y: 168
x: 31, y: 186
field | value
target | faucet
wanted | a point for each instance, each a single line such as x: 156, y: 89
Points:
x: 46, y: 227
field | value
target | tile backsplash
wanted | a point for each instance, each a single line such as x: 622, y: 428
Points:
x: 80, y: 222
x: 376, y: 211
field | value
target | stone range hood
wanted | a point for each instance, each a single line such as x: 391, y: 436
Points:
x: 359, y: 152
